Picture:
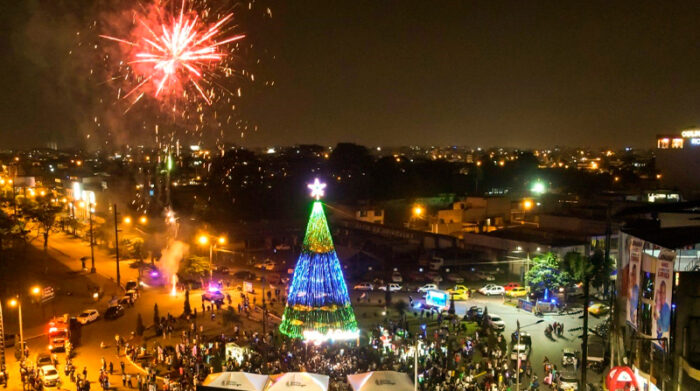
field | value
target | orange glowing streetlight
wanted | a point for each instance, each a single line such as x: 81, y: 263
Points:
x: 418, y: 211
x: 528, y: 204
x: 143, y: 219
x: 203, y: 239
x: 221, y: 240
x: 36, y: 290
x: 127, y: 220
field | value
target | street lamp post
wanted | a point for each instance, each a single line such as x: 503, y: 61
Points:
x: 205, y: 239
x: 92, y: 242
x: 517, y: 368
x: 116, y: 242
x: 15, y: 302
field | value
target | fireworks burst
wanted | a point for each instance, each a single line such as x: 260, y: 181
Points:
x: 179, y: 55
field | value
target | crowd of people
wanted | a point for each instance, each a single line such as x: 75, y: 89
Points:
x: 449, y: 359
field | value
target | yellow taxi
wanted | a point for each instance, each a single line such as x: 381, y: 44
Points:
x: 459, y: 292
x: 598, y: 309
x: 517, y: 292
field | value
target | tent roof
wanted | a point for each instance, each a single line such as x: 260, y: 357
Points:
x: 299, y: 381
x: 239, y: 381
x: 381, y: 381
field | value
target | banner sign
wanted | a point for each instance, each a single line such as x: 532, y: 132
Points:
x: 635, y: 258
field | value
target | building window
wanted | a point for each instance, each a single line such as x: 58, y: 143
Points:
x: 662, y: 143
x: 378, y: 212
x: 677, y: 143
x: 363, y: 213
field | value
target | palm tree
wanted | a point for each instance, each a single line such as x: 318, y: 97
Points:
x: 587, y: 270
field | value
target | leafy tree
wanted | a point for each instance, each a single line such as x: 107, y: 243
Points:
x: 139, y: 325
x: 42, y: 210
x: 193, y: 266
x: 587, y: 270
x: 137, y: 249
x: 546, y: 272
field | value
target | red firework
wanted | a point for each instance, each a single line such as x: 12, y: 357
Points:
x: 174, y: 51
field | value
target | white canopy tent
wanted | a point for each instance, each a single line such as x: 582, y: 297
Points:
x: 238, y: 381
x: 380, y: 381
x: 298, y: 381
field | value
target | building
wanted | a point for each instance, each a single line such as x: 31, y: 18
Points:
x: 658, y: 316
x: 473, y: 214
x: 678, y: 162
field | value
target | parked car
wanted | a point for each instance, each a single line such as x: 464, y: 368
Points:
x: 114, y: 312
x: 213, y: 296
x: 491, y: 289
x: 88, y: 316
x: 525, y: 338
x: 568, y: 357
x: 363, y: 286
x: 416, y: 276
x: 459, y: 292
x: 485, y: 276
x: 48, y: 375
x: 568, y: 380
x: 131, y: 285
x: 434, y: 277
x: 511, y: 285
x: 9, y: 340
x: 223, y: 269
x: 43, y: 359
x: 475, y: 313
x: 427, y: 287
x: 132, y: 295
x: 517, y: 292
x: 496, y: 322
x: 436, y: 263
x: 454, y: 277
x: 396, y: 277
x: 521, y: 351
x: 245, y: 275
x: 125, y: 301
x: 598, y: 309
x: 393, y: 287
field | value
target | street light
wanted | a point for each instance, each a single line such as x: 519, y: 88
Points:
x: 143, y: 219
x: 517, y: 369
x: 127, y: 220
x: 205, y: 239
x: 418, y: 211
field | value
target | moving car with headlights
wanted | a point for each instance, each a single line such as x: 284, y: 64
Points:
x: 393, y: 287
x: 491, y: 289
x: 517, y: 292
x: 88, y: 316
x: 48, y: 375
x: 521, y: 351
x: 568, y: 357
x: 598, y: 309
x: 363, y: 286
x: 427, y: 287
x: 496, y: 322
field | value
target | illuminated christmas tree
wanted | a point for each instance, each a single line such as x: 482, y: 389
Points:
x: 318, y: 305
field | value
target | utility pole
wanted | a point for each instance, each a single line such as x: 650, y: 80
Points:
x: 116, y: 242
x: 92, y: 241
x: 2, y: 343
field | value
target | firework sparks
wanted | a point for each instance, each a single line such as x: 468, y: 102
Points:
x: 176, y: 53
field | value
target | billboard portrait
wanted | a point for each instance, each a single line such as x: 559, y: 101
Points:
x: 635, y: 260
x: 663, y: 289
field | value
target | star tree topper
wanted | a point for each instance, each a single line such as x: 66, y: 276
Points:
x: 317, y: 189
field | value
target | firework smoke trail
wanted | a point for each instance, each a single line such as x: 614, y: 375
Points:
x: 177, y: 51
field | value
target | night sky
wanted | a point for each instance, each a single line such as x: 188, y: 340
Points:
x: 520, y: 73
